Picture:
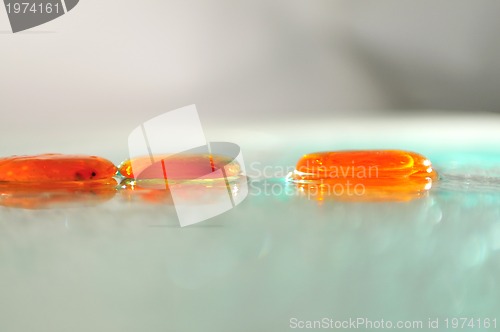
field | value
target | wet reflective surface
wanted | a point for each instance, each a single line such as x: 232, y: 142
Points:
x: 124, y: 264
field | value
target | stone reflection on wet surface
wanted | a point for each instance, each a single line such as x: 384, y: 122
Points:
x: 157, y: 191
x: 54, y: 195
x: 361, y: 192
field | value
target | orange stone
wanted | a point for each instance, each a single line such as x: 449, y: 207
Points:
x: 178, y: 167
x: 364, y: 175
x: 55, y: 168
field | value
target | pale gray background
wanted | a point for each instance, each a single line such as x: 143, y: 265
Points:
x: 96, y: 73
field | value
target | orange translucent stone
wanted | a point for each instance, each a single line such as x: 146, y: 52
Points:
x: 369, y: 165
x: 184, y: 167
x: 41, y: 195
x: 55, y: 168
x: 364, y: 175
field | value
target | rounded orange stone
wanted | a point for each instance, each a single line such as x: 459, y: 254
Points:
x: 55, y: 168
x: 372, y: 166
x: 178, y: 167
x: 159, y: 190
x: 364, y: 175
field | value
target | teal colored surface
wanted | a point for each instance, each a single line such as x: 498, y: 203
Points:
x: 127, y: 266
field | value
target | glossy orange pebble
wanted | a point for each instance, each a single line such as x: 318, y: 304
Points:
x: 55, y: 168
x: 364, y: 175
x: 178, y: 167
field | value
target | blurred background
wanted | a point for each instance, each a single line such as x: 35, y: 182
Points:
x: 97, y: 72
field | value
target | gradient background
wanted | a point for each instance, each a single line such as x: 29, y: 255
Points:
x: 81, y: 83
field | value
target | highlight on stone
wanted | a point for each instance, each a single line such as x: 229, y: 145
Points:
x: 364, y: 175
